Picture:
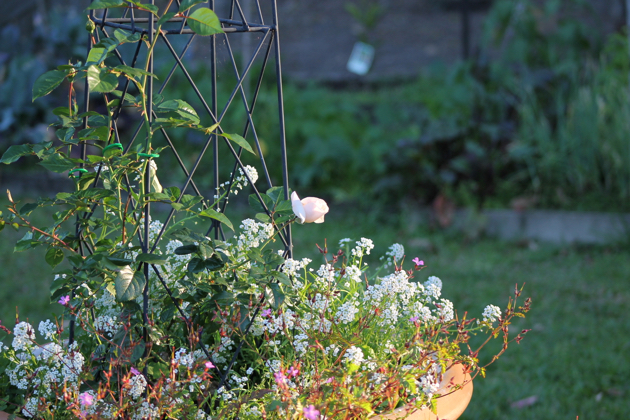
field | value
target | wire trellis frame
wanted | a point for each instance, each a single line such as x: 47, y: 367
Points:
x: 268, y: 46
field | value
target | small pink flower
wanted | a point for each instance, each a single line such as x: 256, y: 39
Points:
x: 418, y: 262
x: 413, y: 319
x: 293, y: 371
x: 86, y: 399
x: 266, y: 312
x: 135, y: 371
x: 311, y: 413
x: 64, y: 300
x: 209, y: 365
x: 280, y: 378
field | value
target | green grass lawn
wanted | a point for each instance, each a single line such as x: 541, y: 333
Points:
x: 574, y: 362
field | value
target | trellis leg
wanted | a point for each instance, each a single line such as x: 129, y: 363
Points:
x: 147, y: 189
x: 283, y: 140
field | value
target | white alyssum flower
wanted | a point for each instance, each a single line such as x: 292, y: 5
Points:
x: 137, y: 385
x: 433, y: 287
x: 241, y: 180
x: 326, y: 273
x: 146, y: 411
x: 291, y: 266
x: 47, y: 329
x: 30, y: 408
x: 346, y: 312
x: 491, y: 313
x: 353, y: 273
x: 300, y: 343
x: 395, y: 254
x: 364, y: 246
x: 182, y: 358
x: 444, y: 310
x: 332, y: 350
x: 23, y: 336
x: 344, y: 241
x: 253, y: 234
x: 354, y: 355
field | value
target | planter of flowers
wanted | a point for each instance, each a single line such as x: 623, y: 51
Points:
x: 166, y: 322
x: 455, y: 393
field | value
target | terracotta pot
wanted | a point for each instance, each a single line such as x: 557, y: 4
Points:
x: 449, y: 407
x: 5, y: 416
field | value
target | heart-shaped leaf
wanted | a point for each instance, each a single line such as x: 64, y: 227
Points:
x: 129, y: 284
x: 100, y: 80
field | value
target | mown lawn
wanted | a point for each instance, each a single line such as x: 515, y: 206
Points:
x: 573, y: 363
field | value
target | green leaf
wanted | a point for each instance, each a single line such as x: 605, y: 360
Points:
x: 224, y: 296
x: 138, y: 352
x: 58, y: 283
x: 104, y: 4
x: 128, y: 98
x: 94, y: 194
x: 255, y: 204
x: 272, y: 258
x: 214, y: 263
x: 284, y: 205
x: 57, y: 163
x: 187, y: 4
x: 238, y: 139
x: 133, y: 72
x: 65, y: 134
x: 283, y: 219
x: 204, y: 22
x: 213, y: 214
x: 28, y: 208
x: 125, y: 36
x: 54, y: 256
x: 180, y: 107
x: 25, y: 244
x: 165, y: 18
x: 167, y: 313
x: 275, y: 193
x: 186, y: 249
x: 278, y: 296
x: 96, y: 56
x: 42, y: 149
x: 47, y: 82
x: 206, y: 250
x: 190, y: 200
x: 196, y: 265
x: 100, y: 80
x: 282, y: 278
x: 119, y: 262
x: 151, y: 259
x: 129, y: 285
x: 263, y: 217
x: 15, y: 152
x: 151, y: 8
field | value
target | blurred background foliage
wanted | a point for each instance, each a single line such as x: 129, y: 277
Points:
x: 538, y: 115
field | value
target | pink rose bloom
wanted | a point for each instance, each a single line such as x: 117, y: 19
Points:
x: 309, y: 209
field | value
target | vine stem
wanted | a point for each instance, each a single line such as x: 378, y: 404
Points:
x: 27, y: 224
